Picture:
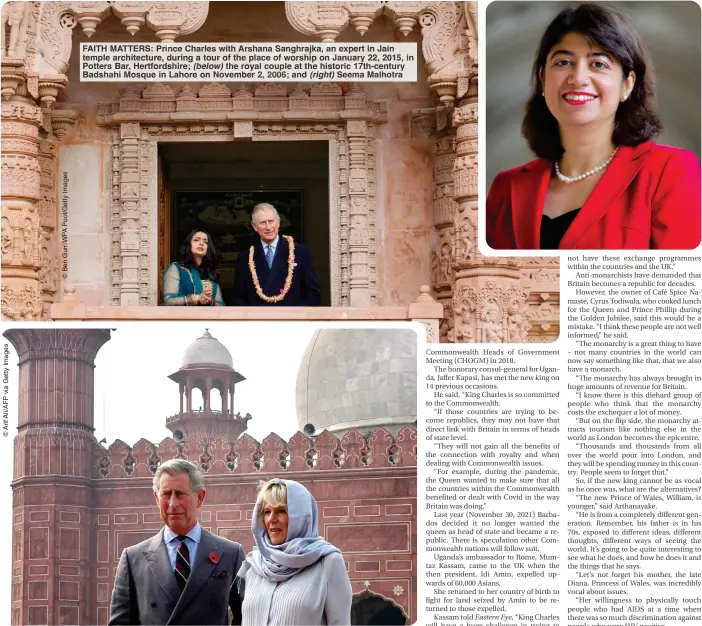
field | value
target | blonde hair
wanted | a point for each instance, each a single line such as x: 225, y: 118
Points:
x: 274, y: 494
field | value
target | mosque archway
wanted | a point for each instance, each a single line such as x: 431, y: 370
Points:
x: 371, y: 608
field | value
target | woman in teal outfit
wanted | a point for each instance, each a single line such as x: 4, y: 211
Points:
x: 194, y: 281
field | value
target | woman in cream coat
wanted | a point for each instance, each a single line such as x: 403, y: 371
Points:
x: 292, y: 576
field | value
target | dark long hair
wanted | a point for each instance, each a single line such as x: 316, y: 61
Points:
x: 635, y: 120
x: 208, y: 267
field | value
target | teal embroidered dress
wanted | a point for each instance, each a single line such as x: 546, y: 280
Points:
x: 180, y: 282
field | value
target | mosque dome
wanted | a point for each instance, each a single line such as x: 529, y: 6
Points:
x: 206, y: 350
x: 358, y: 378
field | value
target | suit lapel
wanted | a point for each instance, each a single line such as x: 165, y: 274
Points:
x: 617, y: 177
x: 529, y: 191
x: 280, y: 261
x: 160, y: 566
x: 200, y: 571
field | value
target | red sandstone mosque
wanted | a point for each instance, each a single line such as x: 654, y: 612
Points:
x: 77, y: 505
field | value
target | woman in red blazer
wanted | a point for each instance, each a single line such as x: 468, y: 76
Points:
x: 600, y: 182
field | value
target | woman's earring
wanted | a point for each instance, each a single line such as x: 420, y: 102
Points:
x: 543, y: 94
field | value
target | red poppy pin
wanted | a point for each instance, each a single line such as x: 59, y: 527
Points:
x: 214, y: 557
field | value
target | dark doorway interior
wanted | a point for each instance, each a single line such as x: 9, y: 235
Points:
x: 215, y: 185
x: 370, y: 608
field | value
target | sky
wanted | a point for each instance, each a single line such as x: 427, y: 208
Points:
x: 134, y: 396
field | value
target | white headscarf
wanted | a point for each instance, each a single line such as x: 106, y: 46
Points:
x: 303, y: 546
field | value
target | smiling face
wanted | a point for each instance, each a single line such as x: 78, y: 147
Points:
x: 583, y: 84
x: 266, y: 224
x: 178, y: 503
x: 275, y: 521
x: 198, y: 245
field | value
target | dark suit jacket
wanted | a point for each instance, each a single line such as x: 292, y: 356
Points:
x: 146, y: 591
x: 304, y: 290
x: 648, y: 198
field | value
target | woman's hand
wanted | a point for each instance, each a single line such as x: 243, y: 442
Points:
x: 202, y: 299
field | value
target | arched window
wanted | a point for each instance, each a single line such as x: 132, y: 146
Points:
x: 217, y: 396
x: 198, y: 396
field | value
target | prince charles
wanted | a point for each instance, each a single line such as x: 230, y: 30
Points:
x: 276, y: 270
x: 184, y: 574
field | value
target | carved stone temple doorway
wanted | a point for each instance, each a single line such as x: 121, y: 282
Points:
x: 214, y: 186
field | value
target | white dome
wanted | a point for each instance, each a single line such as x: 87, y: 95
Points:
x: 358, y: 378
x: 206, y: 351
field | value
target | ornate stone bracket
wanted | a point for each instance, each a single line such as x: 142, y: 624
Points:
x: 62, y: 120
x: 428, y: 312
x: 443, y: 25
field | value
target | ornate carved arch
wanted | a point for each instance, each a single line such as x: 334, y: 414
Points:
x: 322, y: 112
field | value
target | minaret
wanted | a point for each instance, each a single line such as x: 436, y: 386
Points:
x: 53, y: 456
x: 207, y: 365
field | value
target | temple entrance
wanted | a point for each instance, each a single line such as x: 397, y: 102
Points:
x: 214, y: 186
x: 370, y: 608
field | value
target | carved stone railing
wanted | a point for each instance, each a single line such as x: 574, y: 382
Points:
x: 267, y: 102
x: 300, y: 453
x: 424, y: 310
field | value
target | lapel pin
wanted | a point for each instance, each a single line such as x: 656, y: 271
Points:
x: 214, y: 557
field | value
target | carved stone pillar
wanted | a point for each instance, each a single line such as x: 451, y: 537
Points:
x: 53, y: 458
x: 359, y: 280
x: 206, y: 393
x: 444, y: 211
x: 21, y: 233
x: 130, y: 217
x: 489, y: 304
x: 48, y: 220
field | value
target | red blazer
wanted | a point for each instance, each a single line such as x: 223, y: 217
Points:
x: 648, y: 198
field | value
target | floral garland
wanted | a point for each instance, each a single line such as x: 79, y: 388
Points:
x: 288, y: 280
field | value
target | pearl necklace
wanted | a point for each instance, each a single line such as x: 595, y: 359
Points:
x: 594, y: 170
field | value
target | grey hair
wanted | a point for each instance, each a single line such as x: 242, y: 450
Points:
x: 263, y: 206
x: 180, y: 466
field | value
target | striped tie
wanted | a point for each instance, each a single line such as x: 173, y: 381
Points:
x: 182, y: 567
x: 269, y: 257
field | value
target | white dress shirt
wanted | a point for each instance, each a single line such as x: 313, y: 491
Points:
x: 274, y: 245
x: 192, y: 541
